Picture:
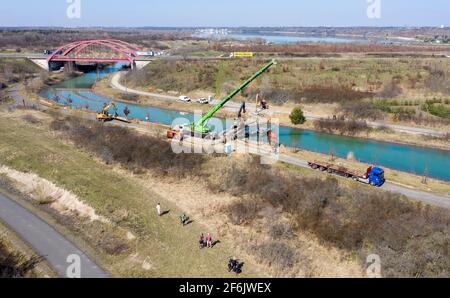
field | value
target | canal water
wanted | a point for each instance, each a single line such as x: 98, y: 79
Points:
x: 418, y: 160
x: 289, y: 39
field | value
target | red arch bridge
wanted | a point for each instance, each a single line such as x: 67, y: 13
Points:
x: 97, y: 51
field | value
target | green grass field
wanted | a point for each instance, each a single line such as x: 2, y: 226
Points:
x: 171, y: 250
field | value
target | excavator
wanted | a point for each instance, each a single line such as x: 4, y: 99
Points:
x: 105, y: 116
x: 201, y: 127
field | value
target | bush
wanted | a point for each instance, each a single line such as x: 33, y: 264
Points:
x: 360, y: 110
x: 276, y: 254
x: 330, y: 94
x: 390, y: 89
x: 31, y: 119
x: 2, y: 97
x: 131, y: 150
x: 438, y: 81
x: 421, y: 119
x: 341, y: 126
x: 441, y: 110
x: 131, y: 97
x: 16, y: 265
x: 281, y: 230
x: 297, y: 116
x: 243, y: 212
x: 350, y: 218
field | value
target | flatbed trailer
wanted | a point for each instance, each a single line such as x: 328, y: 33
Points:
x: 373, y: 176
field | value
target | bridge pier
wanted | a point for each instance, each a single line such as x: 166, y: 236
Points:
x: 140, y: 64
x: 42, y: 63
x: 69, y: 66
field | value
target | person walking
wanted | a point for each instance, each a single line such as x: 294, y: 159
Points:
x: 201, y: 242
x: 126, y: 111
x: 158, y: 209
x: 209, y: 240
x: 184, y: 219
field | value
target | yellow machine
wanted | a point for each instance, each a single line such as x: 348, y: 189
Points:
x: 104, y: 115
x: 242, y: 55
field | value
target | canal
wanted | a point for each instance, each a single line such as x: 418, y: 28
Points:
x: 434, y: 163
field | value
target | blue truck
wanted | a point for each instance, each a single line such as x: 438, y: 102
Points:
x: 373, y: 176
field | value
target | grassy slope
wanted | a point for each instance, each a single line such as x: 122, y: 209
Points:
x: 171, y: 250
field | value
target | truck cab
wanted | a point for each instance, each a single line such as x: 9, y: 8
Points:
x: 376, y: 177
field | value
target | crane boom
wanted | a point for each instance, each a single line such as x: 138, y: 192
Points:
x: 200, y: 126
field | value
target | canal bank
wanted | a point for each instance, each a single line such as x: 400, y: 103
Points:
x: 412, y: 159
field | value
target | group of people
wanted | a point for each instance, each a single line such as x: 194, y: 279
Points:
x: 234, y: 265
x: 206, y: 241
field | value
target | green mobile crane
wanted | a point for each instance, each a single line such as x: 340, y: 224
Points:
x: 201, y: 126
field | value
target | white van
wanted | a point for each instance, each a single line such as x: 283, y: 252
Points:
x: 185, y: 99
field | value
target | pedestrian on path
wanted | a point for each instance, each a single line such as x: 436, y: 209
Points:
x: 158, y: 209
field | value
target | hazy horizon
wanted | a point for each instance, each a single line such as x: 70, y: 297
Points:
x: 232, y: 13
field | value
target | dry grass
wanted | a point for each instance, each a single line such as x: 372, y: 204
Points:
x: 14, y: 264
x: 349, y: 218
x: 273, y: 205
x: 46, y: 192
x: 139, y: 243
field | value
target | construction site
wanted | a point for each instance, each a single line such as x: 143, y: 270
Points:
x: 162, y: 153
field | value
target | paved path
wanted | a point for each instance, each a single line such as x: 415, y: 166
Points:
x: 45, y: 240
x: 234, y: 107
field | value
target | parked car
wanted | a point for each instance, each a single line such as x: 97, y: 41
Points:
x: 185, y: 99
x: 203, y: 101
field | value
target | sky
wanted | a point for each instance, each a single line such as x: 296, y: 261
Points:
x: 224, y: 13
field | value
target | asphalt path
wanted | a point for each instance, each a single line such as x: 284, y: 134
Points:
x: 59, y: 252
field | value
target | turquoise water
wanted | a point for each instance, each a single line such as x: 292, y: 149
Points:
x: 287, y: 39
x: 435, y: 163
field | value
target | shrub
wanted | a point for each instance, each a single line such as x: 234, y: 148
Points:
x: 330, y: 94
x: 297, y: 116
x: 390, y: 89
x: 343, y: 127
x: 131, y: 150
x: 360, y: 110
x: 243, y: 212
x: 441, y: 110
x: 281, y: 230
x: 131, y: 97
x: 349, y: 218
x: 276, y: 254
x: 16, y: 265
x: 438, y: 81
x: 2, y: 97
x: 421, y: 118
x: 31, y: 119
